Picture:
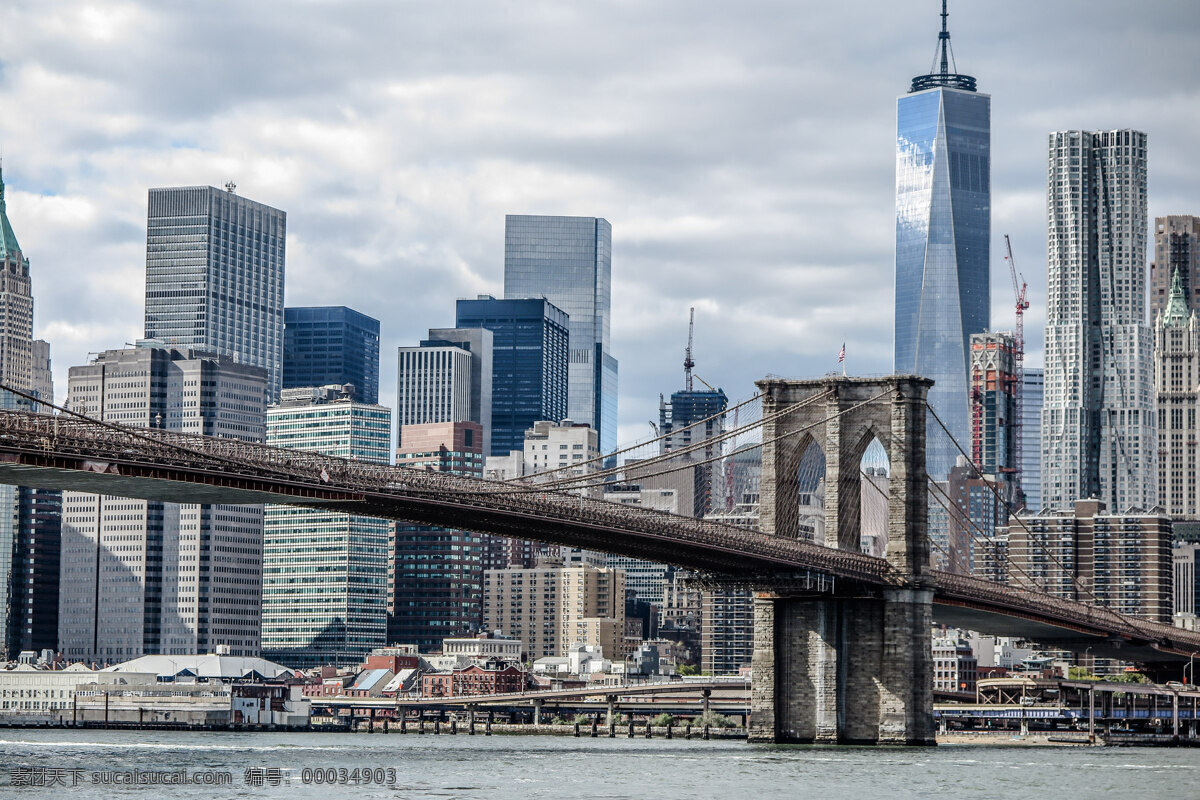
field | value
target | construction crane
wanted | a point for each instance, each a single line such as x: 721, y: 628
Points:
x: 1019, y: 292
x: 687, y: 354
x: 688, y: 363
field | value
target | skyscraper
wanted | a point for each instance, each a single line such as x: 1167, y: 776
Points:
x: 142, y: 577
x: 994, y: 422
x: 1033, y: 382
x: 1176, y: 249
x: 1098, y: 438
x: 568, y: 261
x: 16, y: 370
x: 325, y: 573
x: 435, y: 575
x: 1176, y: 376
x: 331, y: 345
x: 214, y: 276
x: 448, y: 378
x: 943, y: 230
x: 529, y: 364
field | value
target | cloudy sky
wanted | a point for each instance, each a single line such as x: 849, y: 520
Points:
x: 743, y: 152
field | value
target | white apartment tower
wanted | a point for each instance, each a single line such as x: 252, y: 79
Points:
x: 1098, y: 426
x: 144, y: 577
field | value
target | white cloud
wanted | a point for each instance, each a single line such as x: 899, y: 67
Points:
x: 743, y: 153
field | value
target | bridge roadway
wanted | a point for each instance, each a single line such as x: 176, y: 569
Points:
x: 60, y: 452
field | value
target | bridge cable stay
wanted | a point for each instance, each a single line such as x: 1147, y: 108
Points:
x: 671, y: 455
x: 636, y: 445
x: 981, y: 536
x: 1010, y: 511
x: 596, y: 478
x: 1131, y: 624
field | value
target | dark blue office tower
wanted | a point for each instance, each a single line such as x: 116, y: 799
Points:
x: 529, y: 364
x: 328, y: 345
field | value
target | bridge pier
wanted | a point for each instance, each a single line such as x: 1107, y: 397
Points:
x: 843, y: 670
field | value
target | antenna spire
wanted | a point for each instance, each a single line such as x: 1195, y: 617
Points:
x: 943, y: 57
x: 944, y: 39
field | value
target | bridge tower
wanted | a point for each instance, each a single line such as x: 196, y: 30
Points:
x: 855, y: 665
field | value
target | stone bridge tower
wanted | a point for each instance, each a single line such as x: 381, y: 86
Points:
x: 853, y: 665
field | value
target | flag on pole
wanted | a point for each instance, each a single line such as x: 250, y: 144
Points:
x: 842, y: 354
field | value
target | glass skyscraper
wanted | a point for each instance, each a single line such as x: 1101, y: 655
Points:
x: 568, y: 261
x: 943, y: 230
x: 328, y: 345
x: 529, y: 364
x: 325, y: 572
x: 214, y: 276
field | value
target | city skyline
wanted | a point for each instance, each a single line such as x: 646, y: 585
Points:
x: 709, y: 201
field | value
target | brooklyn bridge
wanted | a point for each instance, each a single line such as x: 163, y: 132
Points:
x: 842, y: 639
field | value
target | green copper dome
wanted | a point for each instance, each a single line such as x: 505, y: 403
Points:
x: 8, y: 239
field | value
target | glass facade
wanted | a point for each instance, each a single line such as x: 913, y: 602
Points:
x: 529, y: 364
x: 325, y: 573
x: 331, y: 345
x: 214, y: 276
x: 943, y: 229
x: 568, y: 261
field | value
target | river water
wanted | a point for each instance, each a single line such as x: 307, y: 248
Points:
x: 105, y: 764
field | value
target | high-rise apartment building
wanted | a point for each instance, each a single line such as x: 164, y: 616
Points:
x: 1098, y: 438
x: 331, y: 346
x: 568, y: 261
x: 943, y: 232
x: 142, y: 577
x: 1033, y: 380
x: 529, y: 364
x: 1121, y: 559
x: 994, y: 421
x: 1176, y: 378
x: 324, y: 572
x: 1176, y: 249
x: 435, y: 575
x: 33, y: 620
x: 551, y: 607
x: 214, y: 276
x: 479, y: 343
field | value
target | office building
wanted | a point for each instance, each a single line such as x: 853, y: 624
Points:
x: 1098, y: 437
x: 943, y: 234
x: 568, y: 261
x: 448, y: 378
x: 529, y: 364
x: 324, y: 572
x: 331, y: 346
x: 1121, y: 559
x: 646, y: 581
x: 435, y: 575
x: 17, y: 371
x: 33, y: 622
x: 551, y: 607
x: 727, y: 612
x: 1030, y: 475
x: 141, y: 577
x: 214, y: 276
x: 1176, y: 378
x: 1176, y: 249
x: 1186, y: 557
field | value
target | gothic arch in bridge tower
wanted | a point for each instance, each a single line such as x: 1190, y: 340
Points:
x: 842, y: 416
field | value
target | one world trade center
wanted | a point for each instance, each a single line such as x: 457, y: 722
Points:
x: 943, y: 230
